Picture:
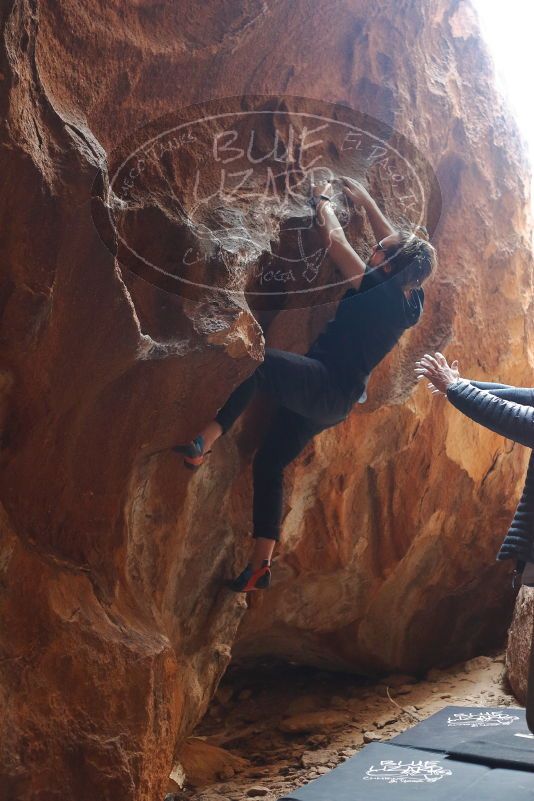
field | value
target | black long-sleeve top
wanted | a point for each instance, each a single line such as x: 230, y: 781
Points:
x: 508, y: 411
x: 369, y: 322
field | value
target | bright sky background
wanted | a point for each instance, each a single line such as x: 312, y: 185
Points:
x: 508, y: 27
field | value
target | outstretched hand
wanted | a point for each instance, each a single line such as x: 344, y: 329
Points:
x: 437, y: 370
x: 355, y: 191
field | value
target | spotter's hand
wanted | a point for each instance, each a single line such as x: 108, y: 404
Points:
x: 439, y: 374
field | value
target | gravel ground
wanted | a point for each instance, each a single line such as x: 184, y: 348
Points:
x: 292, y: 724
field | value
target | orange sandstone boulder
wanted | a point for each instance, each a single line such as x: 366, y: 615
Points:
x: 135, y: 295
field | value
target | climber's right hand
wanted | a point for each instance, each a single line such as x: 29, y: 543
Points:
x: 355, y: 191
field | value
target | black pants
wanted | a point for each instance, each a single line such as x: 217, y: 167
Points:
x: 309, y: 401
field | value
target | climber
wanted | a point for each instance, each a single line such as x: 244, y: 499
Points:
x: 508, y: 411
x: 317, y: 391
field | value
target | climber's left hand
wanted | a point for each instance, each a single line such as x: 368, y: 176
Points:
x: 323, y: 188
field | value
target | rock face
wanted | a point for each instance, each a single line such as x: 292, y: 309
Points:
x: 204, y: 764
x: 115, y: 627
x: 519, y: 643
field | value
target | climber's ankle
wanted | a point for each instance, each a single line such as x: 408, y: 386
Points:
x: 256, y: 564
x: 211, y: 433
x: 263, y: 552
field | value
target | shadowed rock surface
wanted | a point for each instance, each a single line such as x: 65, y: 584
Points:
x: 519, y: 643
x: 115, y: 628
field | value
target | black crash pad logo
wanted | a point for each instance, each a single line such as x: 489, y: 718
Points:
x: 477, y: 720
x: 415, y: 772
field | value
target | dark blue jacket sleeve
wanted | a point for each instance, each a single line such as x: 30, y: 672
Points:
x: 523, y: 395
x: 512, y: 420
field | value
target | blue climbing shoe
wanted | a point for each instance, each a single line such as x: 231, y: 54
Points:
x: 193, y: 452
x: 250, y: 580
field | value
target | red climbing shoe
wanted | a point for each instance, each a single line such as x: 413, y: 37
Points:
x: 193, y: 452
x: 250, y: 580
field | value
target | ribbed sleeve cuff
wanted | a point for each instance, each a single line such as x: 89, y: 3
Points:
x: 454, y: 390
x: 510, y: 419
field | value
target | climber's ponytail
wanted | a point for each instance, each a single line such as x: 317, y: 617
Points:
x: 414, y: 258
